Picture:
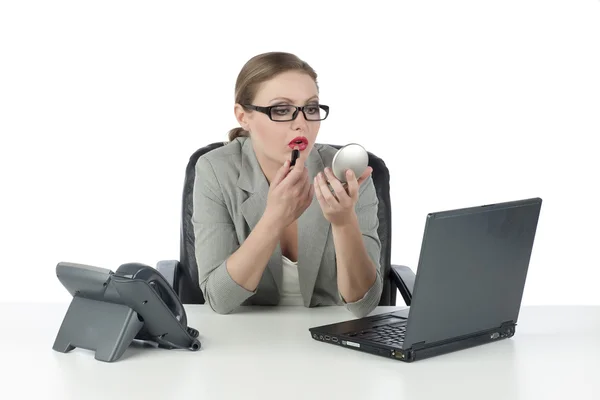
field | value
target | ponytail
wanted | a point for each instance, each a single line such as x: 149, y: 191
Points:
x: 237, y: 132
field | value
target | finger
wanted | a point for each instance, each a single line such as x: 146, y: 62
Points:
x: 352, y: 184
x: 281, y: 173
x: 295, y: 174
x: 318, y: 193
x: 301, y: 187
x: 365, y: 175
x: 328, y: 197
x: 340, y: 191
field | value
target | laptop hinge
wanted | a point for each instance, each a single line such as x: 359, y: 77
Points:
x: 418, y: 346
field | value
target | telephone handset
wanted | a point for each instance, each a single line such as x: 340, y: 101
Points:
x: 130, y: 273
x: 111, y: 309
x: 157, y: 282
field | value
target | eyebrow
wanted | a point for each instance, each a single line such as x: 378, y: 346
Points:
x: 285, y: 99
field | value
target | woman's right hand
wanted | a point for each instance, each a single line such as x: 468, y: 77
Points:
x: 290, y: 194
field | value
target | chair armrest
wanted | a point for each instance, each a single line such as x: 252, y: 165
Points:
x: 170, y: 270
x: 404, y: 278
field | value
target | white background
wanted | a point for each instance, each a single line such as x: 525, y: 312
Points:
x: 468, y: 102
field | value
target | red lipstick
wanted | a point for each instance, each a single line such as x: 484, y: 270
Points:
x: 300, y: 141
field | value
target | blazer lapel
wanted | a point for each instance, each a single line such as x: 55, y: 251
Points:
x: 313, y: 230
x: 253, y: 181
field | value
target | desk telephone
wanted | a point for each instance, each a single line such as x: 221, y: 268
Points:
x: 111, y: 309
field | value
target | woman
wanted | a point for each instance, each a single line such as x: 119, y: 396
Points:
x: 267, y: 233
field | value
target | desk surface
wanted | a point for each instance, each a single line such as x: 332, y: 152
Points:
x: 264, y: 353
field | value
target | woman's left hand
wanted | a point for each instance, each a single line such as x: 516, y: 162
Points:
x: 338, y: 207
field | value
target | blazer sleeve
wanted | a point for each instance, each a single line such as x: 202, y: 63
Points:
x: 215, y: 241
x: 368, y: 220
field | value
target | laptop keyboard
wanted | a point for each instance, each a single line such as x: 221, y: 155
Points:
x: 389, y: 334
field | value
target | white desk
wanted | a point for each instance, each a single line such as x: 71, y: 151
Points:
x: 267, y: 353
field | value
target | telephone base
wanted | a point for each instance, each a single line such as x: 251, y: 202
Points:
x: 111, y: 310
x: 106, y: 328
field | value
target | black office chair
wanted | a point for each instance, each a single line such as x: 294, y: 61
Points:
x: 182, y: 274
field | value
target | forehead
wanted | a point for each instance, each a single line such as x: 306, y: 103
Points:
x: 296, y: 86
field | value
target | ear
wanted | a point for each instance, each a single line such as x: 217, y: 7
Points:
x: 242, y: 116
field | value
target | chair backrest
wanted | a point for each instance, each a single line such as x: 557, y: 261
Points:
x: 189, y: 285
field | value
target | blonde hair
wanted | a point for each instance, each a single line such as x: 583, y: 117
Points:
x: 262, y: 68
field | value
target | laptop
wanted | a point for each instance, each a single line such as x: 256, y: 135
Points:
x: 467, y: 290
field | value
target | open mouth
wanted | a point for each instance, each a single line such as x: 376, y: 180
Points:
x: 300, y: 142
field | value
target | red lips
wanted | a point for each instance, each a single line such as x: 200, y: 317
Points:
x: 299, y: 142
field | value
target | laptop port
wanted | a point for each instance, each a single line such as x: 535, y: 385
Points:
x: 327, y: 338
x: 334, y: 339
x: 321, y: 337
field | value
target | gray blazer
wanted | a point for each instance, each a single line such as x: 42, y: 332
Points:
x: 230, y: 195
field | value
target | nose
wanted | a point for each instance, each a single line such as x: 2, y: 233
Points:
x: 300, y: 122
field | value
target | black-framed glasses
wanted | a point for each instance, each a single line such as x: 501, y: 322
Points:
x: 285, y: 112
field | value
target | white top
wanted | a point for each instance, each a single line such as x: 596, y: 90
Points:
x: 290, y: 288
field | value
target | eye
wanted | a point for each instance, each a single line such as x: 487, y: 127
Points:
x: 281, y: 110
x: 312, y: 109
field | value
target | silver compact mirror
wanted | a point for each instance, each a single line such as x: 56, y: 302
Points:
x: 352, y: 156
